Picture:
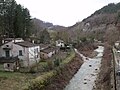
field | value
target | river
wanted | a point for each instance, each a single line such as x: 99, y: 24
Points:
x: 85, y: 78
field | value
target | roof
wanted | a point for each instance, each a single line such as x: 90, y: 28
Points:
x: 10, y: 39
x: 117, y: 42
x: 8, y: 60
x: 7, y: 40
x: 44, y: 46
x: 48, y: 50
x: 60, y: 40
x: 26, y: 44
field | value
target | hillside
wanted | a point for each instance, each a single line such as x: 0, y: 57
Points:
x: 45, y: 31
x: 41, y: 25
x: 102, y: 24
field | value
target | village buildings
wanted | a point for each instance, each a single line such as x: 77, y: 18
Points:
x: 15, y: 53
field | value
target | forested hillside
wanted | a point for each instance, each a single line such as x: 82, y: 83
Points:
x: 102, y: 25
x: 110, y: 8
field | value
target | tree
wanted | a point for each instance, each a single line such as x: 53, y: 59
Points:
x: 11, y: 6
x: 44, y: 36
x: 18, y: 25
x: 22, y: 22
x: 27, y: 23
x: 14, y: 19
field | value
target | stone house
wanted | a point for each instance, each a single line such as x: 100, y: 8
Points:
x: 27, y: 53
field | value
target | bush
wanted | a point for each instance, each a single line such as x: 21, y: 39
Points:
x: 32, y: 70
x: 43, y: 80
x: 56, y: 62
x: 40, y: 82
x: 50, y: 64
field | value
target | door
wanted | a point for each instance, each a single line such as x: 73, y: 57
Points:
x: 7, y: 53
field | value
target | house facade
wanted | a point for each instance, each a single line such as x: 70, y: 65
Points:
x: 26, y: 52
x: 60, y: 43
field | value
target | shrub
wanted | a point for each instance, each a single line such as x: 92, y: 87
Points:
x: 40, y: 82
x: 50, y: 65
x: 56, y: 62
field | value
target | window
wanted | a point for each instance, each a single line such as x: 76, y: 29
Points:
x: 8, y: 65
x: 37, y: 56
x: 7, y: 53
x: 36, y: 50
x: 20, y: 53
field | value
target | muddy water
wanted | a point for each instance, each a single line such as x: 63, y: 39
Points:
x: 85, y: 78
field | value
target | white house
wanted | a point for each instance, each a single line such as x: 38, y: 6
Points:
x: 60, y: 43
x: 27, y: 53
x: 117, y: 43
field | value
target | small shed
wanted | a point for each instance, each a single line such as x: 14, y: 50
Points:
x: 9, y: 64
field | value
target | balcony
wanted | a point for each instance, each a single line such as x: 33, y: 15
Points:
x: 8, y: 59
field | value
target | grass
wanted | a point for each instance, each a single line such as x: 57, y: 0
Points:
x: 43, y: 80
x: 19, y: 81
x: 14, y: 80
x: 1, y: 67
x: 69, y: 58
x: 14, y: 75
x: 40, y: 82
x: 8, y: 74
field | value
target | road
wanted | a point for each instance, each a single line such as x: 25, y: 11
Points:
x: 117, y: 67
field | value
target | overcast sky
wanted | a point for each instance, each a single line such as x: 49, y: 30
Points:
x: 63, y: 12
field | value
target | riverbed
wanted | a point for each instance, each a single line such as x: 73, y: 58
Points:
x: 85, y: 78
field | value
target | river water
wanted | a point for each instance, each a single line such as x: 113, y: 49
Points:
x: 85, y: 78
